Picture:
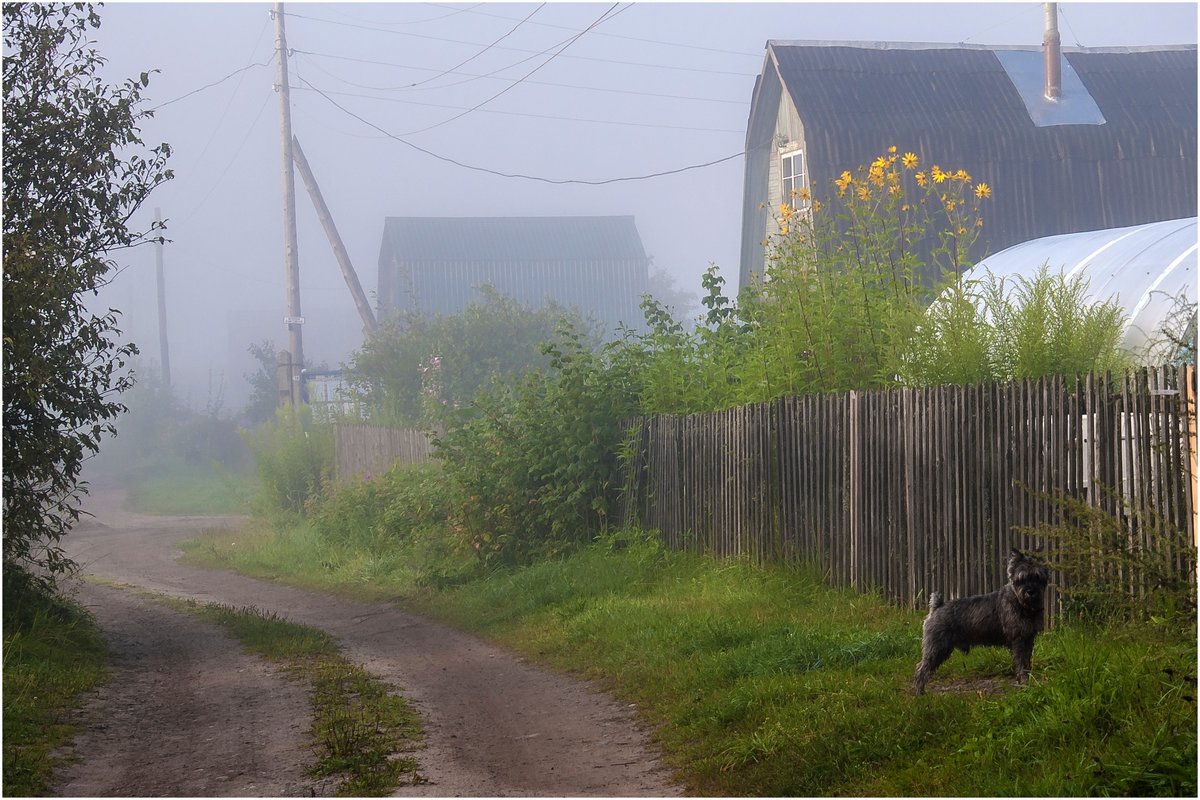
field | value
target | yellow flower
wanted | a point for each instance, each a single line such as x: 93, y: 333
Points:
x: 894, y: 190
x: 962, y: 175
x: 904, y: 207
x: 892, y: 149
x: 864, y: 193
x: 875, y: 175
x: 979, y: 223
x: 786, y: 211
x: 961, y: 230
x: 783, y: 229
x: 816, y: 206
x: 937, y: 174
x: 920, y: 176
x: 910, y: 161
x: 803, y: 193
x: 949, y: 202
x: 983, y: 190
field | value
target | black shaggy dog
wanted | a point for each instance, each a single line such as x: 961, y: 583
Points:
x: 1008, y: 617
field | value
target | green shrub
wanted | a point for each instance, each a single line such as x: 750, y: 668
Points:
x: 294, y: 457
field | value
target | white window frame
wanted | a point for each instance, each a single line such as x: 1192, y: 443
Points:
x: 788, y: 184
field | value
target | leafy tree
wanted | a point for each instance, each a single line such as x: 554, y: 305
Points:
x: 75, y: 170
x: 264, y: 388
x: 415, y: 365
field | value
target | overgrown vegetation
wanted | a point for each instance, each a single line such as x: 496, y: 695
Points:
x: 766, y: 682
x: 416, y: 365
x: 53, y: 654
x: 75, y: 170
x: 760, y: 681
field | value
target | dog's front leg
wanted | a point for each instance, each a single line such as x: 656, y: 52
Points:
x: 1022, y: 655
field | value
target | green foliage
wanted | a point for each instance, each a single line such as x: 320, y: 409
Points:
x: 53, y: 654
x: 1105, y: 574
x: 535, y: 462
x: 765, y: 682
x: 294, y: 458
x: 416, y: 365
x: 74, y: 172
x: 264, y: 389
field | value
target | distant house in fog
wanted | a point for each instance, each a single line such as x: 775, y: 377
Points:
x: 434, y: 265
x: 1117, y: 149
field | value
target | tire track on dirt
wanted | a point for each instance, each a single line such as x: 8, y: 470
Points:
x: 494, y: 725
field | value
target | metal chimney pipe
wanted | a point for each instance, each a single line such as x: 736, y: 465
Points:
x: 1052, y: 49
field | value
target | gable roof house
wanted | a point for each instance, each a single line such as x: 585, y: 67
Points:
x: 435, y: 265
x: 1116, y: 148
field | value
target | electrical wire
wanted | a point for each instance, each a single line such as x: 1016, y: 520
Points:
x: 309, y: 87
x: 211, y: 85
x: 607, y: 15
x: 613, y: 35
x: 518, y: 175
x: 522, y: 50
x: 484, y: 50
x: 1063, y: 13
x: 453, y: 13
x: 237, y: 152
x: 552, y: 84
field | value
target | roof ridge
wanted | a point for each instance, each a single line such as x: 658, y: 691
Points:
x: 882, y: 45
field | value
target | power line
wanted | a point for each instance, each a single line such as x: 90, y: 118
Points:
x: 612, y: 35
x: 493, y: 75
x: 523, y: 50
x: 309, y: 87
x: 455, y: 12
x: 211, y: 85
x: 484, y: 50
x: 522, y: 176
x: 608, y: 14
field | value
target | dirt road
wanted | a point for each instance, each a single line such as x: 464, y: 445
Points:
x: 187, y: 704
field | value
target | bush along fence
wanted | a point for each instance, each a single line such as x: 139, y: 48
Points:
x: 909, y: 491
x: 365, y: 450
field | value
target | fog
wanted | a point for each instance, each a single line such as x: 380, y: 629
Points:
x: 514, y: 88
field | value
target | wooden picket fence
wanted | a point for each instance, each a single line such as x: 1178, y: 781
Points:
x: 909, y: 491
x: 364, y: 450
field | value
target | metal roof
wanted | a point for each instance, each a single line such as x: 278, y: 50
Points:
x: 1144, y: 268
x: 511, y: 239
x: 958, y: 106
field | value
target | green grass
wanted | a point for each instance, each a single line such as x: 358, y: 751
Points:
x: 191, y: 490
x: 360, y: 724
x: 53, y: 654
x: 766, y: 682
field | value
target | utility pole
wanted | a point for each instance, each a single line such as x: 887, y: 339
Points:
x: 164, y: 353
x: 335, y: 240
x: 294, y: 318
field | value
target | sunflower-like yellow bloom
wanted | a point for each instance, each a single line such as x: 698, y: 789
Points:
x: 894, y: 190
x: 910, y: 161
x: 979, y: 223
x: 983, y: 190
x: 892, y: 149
x: 937, y: 174
x: 920, y: 176
x: 962, y: 175
x: 864, y: 193
x: 786, y: 211
x: 803, y: 193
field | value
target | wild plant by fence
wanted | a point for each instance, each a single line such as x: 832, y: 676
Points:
x: 361, y: 450
x: 914, y: 490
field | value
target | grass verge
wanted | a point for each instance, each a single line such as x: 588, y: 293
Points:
x: 191, y: 490
x: 53, y: 654
x: 361, y: 727
x: 767, y: 682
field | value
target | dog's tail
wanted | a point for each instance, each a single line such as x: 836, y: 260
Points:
x: 935, y: 601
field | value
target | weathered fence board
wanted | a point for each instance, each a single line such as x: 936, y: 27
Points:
x: 914, y: 490
x: 364, y: 450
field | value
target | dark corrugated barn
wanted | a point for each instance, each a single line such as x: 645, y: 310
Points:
x: 434, y: 265
x: 1118, y: 148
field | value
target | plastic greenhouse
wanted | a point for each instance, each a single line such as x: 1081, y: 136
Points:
x: 1150, y: 270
